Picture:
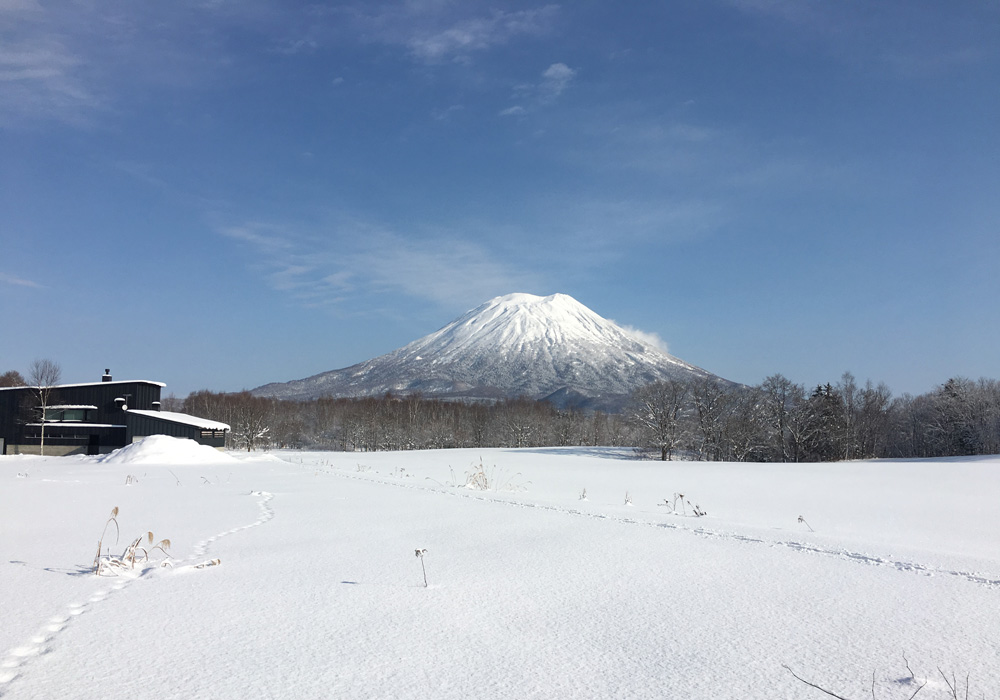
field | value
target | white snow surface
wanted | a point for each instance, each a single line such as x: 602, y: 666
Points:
x: 533, y: 592
x: 513, y: 345
x: 164, y: 449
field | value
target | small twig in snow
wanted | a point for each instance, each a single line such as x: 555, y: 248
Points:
x: 420, y: 555
x: 812, y: 685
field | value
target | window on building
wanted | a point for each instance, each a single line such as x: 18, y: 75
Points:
x: 63, y: 413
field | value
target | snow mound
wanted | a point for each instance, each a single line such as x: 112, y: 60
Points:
x: 163, y: 449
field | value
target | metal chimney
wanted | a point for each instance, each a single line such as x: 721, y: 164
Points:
x: 107, y: 376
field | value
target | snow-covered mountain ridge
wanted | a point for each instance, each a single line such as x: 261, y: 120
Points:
x: 515, y: 345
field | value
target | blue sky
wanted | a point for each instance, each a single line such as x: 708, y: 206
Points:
x: 221, y: 194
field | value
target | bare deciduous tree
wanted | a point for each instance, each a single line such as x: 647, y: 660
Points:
x: 656, y: 410
x: 712, y: 403
x: 43, y: 376
x: 251, y: 421
x: 781, y: 398
x: 12, y: 378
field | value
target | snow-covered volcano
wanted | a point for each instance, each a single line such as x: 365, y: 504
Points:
x: 550, y: 347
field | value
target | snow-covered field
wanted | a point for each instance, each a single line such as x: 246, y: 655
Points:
x: 533, y: 591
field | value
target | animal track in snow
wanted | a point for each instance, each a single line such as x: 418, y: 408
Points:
x: 13, y: 663
x: 988, y: 581
x: 266, y: 513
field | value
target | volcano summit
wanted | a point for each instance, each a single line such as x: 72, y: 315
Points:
x: 552, y: 348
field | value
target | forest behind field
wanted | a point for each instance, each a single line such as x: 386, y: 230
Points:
x: 777, y: 420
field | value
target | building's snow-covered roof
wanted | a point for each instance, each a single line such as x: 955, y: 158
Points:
x: 123, y: 381
x: 184, y: 418
x: 73, y: 386
x: 68, y: 406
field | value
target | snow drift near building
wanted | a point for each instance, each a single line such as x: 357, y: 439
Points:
x: 550, y: 347
x: 163, y: 449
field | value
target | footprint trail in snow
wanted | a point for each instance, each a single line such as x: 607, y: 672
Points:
x: 986, y: 580
x: 16, y: 660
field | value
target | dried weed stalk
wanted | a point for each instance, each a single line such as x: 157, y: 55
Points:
x: 137, y: 552
x: 100, y: 542
x: 420, y: 556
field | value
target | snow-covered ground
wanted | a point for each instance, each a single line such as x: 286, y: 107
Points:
x: 533, y: 591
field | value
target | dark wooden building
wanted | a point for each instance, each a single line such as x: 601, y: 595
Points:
x: 95, y: 418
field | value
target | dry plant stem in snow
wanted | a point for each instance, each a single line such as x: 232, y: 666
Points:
x: 803, y: 521
x: 479, y: 478
x: 679, y: 497
x: 420, y: 556
x: 100, y: 542
x: 952, y: 683
x: 135, y: 553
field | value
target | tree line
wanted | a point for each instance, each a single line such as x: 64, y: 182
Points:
x: 775, y: 421
x: 392, y: 422
x: 780, y: 421
x: 703, y: 419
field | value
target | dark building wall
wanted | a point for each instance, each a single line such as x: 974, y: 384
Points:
x: 70, y: 438
x: 139, y: 395
x: 10, y: 413
x: 16, y: 416
x: 140, y: 426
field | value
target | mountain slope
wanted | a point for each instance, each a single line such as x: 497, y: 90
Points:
x: 513, y: 345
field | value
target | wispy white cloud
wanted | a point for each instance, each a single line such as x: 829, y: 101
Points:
x: 795, y: 172
x: 443, y: 115
x: 177, y: 191
x: 265, y: 237
x: 639, y: 221
x: 440, y: 31
x: 41, y: 78
x: 333, y: 264
x: 790, y: 10
x: 726, y: 160
x: 291, y: 47
x: 19, y: 6
x: 67, y: 64
x: 690, y: 133
x: 80, y: 62
x: 646, y: 337
x: 433, y: 38
x: 916, y: 63
x: 553, y: 81
x: 441, y: 269
x: 19, y: 282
